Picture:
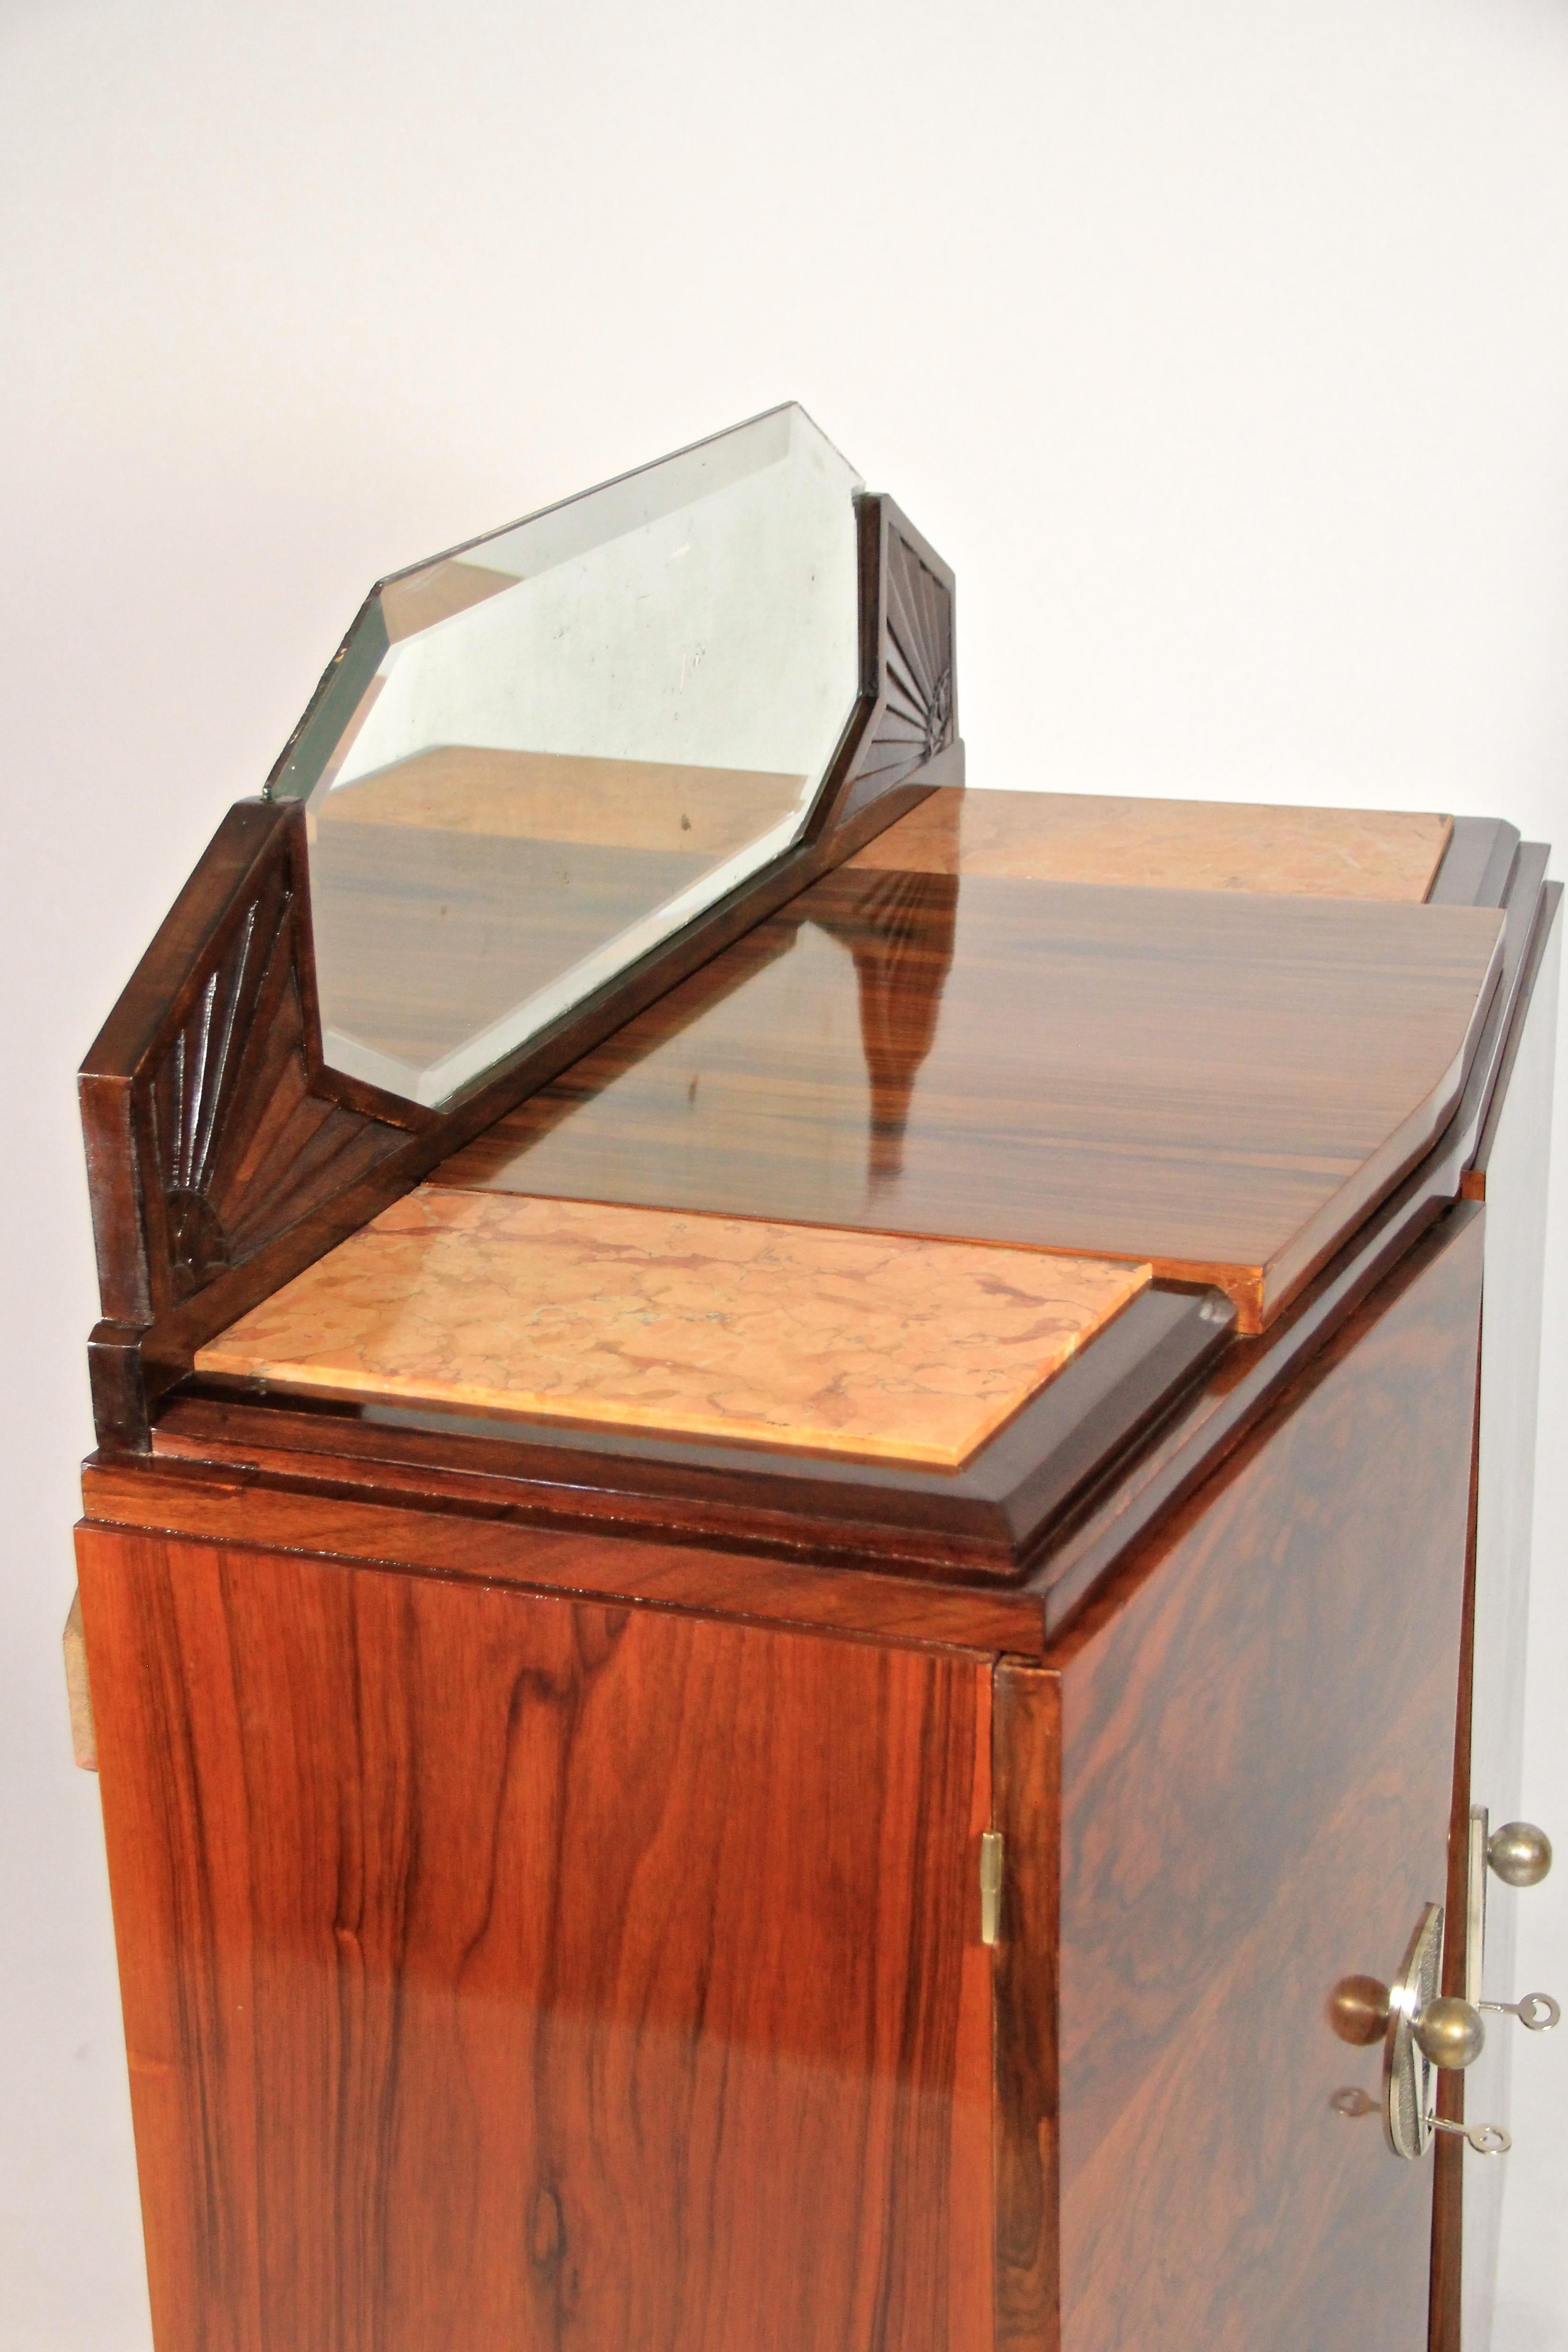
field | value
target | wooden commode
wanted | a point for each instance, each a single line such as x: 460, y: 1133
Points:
x: 801, y: 1601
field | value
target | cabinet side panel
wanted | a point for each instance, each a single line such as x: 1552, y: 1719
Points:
x: 1515, y: 1258
x: 1028, y: 1775
x: 1448, y: 2153
x: 510, y: 1972
x: 1257, y: 1736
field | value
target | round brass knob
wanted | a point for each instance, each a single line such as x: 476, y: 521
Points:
x: 1358, y: 2010
x: 1449, y: 2031
x: 1520, y: 1853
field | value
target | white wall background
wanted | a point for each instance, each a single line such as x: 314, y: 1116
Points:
x: 1222, y: 346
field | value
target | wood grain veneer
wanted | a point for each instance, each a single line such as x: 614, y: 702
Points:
x: 1257, y: 1749
x: 845, y: 1343
x: 1026, y: 1782
x: 306, y: 1503
x: 1229, y: 1819
x: 1221, y: 1084
x: 510, y: 1972
x: 1170, y: 844
x: 1254, y: 1369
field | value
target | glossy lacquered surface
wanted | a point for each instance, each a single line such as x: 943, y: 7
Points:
x: 1018, y: 1510
x: 1220, y: 1083
x: 1220, y: 1790
x: 513, y: 1973
x: 1167, y: 845
x: 1256, y: 1756
x: 544, y: 1857
x: 853, y: 1343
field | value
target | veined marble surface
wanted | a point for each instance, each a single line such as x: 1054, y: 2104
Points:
x: 1311, y: 852
x: 699, y: 1326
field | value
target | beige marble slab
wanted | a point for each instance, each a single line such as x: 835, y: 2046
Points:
x: 866, y: 1344
x: 1318, y: 852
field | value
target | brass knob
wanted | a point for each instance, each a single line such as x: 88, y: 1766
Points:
x: 1520, y: 1853
x: 1358, y: 2010
x: 1449, y: 2031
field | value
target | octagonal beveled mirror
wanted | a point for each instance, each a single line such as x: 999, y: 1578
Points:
x: 537, y: 757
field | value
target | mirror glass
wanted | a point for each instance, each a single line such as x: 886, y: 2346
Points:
x: 539, y: 756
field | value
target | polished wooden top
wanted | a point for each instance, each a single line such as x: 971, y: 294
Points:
x: 1171, y: 844
x: 849, y: 1343
x: 1219, y: 1082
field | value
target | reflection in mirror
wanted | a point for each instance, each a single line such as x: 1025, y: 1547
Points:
x: 539, y: 756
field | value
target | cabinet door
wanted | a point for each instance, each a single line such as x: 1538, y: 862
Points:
x: 1256, y: 1752
x: 500, y: 1972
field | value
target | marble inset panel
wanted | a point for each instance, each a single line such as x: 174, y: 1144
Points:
x: 868, y: 1344
x: 1314, y: 852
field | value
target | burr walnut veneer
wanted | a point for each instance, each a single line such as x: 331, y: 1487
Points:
x: 752, y: 1689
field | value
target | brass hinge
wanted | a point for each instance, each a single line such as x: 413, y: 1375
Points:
x: 1476, y: 1904
x: 990, y: 1886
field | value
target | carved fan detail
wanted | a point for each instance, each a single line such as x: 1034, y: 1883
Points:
x: 241, y: 1145
x: 917, y: 722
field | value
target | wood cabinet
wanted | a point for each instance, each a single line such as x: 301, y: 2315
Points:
x: 808, y: 1674
x: 540, y: 1968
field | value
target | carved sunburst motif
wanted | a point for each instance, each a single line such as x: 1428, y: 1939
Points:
x: 198, y: 1077
x: 917, y: 722
x: 235, y: 1128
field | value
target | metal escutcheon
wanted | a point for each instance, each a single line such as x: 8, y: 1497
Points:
x: 1427, y: 2029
